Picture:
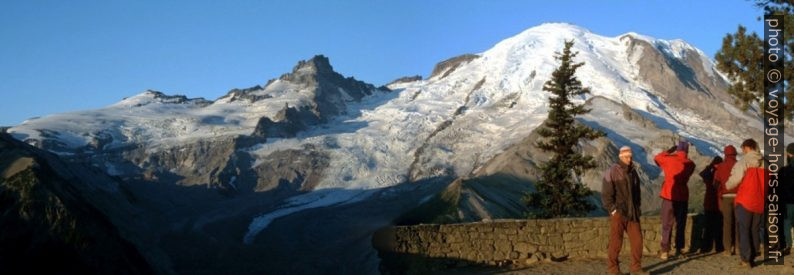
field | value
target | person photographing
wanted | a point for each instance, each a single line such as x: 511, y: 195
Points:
x: 677, y: 169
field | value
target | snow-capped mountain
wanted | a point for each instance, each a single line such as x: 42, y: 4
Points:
x: 155, y: 119
x: 313, y: 139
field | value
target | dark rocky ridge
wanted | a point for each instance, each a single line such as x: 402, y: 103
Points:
x: 448, y: 66
x: 406, y: 79
x: 288, y: 122
x: 55, y: 221
x: 145, y: 223
x: 177, y: 99
x: 245, y: 94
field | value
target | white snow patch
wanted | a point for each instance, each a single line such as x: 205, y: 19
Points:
x: 320, y: 198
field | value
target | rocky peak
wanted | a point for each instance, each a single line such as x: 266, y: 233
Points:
x: 308, y: 70
x: 306, y: 73
x: 331, y: 93
x: 319, y: 63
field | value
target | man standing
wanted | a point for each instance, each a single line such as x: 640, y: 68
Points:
x: 677, y: 169
x: 748, y: 176
x: 727, y: 197
x: 620, y: 197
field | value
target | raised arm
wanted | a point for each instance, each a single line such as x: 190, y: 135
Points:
x: 662, y: 157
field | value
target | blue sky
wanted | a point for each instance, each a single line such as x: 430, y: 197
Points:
x: 58, y: 56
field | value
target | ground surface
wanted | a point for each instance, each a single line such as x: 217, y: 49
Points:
x: 708, y: 263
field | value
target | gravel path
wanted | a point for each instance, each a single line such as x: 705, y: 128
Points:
x: 708, y: 263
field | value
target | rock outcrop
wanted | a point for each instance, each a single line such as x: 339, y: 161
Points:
x: 61, y: 218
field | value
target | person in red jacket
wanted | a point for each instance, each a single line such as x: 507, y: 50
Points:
x: 748, y: 176
x: 727, y: 196
x: 713, y: 227
x: 677, y: 169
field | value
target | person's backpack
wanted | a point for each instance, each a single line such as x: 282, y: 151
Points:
x: 750, y: 194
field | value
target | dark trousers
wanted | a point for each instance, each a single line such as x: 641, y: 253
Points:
x: 749, y: 226
x: 673, y: 212
x: 784, y: 239
x: 616, y: 228
x: 787, y: 225
x: 728, y: 223
x: 712, y: 232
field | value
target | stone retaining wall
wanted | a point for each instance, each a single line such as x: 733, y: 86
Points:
x: 516, y: 241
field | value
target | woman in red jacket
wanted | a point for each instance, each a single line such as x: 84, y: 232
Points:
x: 677, y: 169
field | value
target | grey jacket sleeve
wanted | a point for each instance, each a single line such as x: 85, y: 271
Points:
x: 737, y: 173
x: 608, y: 192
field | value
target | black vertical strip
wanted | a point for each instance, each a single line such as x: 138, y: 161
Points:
x: 773, y: 146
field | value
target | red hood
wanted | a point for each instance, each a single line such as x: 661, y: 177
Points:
x: 730, y: 151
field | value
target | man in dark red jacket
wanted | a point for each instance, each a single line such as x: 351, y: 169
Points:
x: 677, y: 169
x: 620, y: 197
x: 727, y: 196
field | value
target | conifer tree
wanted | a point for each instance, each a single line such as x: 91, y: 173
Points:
x: 558, y: 191
x: 741, y: 58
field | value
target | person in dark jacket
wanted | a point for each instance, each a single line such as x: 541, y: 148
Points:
x: 677, y: 169
x: 620, y: 197
x: 727, y: 196
x: 713, y: 228
x: 786, y: 183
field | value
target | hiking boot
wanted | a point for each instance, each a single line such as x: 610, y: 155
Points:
x: 680, y: 253
x: 664, y: 256
x: 744, y: 264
